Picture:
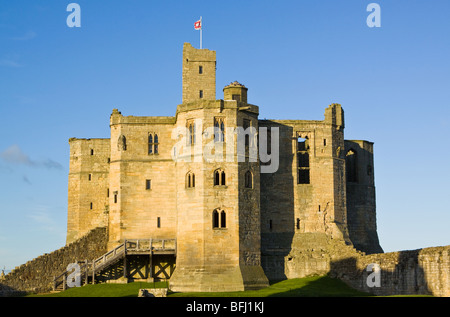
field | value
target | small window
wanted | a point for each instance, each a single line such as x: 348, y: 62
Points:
x: 115, y: 197
x: 122, y: 143
x: 270, y: 225
x: 107, y: 192
x: 298, y: 223
x: 148, y: 184
x: 158, y: 222
x: 200, y: 69
x: 219, y: 219
x: 248, y: 180
x: 324, y: 142
x: 92, y: 151
x: 201, y: 94
x: 90, y: 176
x: 190, y: 180
x: 91, y: 206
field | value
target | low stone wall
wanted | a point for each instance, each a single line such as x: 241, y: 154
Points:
x: 37, y: 275
x: 423, y: 271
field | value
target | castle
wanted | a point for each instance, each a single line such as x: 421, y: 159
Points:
x: 235, y: 191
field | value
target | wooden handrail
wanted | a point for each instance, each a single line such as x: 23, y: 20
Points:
x: 121, y: 249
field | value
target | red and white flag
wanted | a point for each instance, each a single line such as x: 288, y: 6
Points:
x: 198, y: 25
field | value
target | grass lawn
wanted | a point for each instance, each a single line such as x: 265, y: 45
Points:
x: 318, y: 286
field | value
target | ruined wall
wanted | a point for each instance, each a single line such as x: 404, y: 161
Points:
x: 361, y: 203
x: 423, y: 271
x: 37, y: 275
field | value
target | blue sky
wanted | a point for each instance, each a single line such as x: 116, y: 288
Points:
x: 296, y: 58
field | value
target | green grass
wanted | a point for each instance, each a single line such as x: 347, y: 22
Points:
x: 319, y: 286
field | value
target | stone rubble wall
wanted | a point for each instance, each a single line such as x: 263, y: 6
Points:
x: 411, y: 272
x: 37, y: 275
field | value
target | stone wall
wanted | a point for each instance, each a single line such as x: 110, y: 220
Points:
x: 423, y: 272
x: 415, y: 272
x: 37, y: 275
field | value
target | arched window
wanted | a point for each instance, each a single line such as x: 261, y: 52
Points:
x: 122, y: 143
x: 156, y: 144
x: 223, y: 178
x: 248, y: 179
x: 219, y: 130
x: 190, y: 180
x: 219, y: 219
x: 219, y: 177
x: 215, y: 219
x: 223, y: 219
x: 150, y: 144
x: 191, y: 132
x: 351, y: 164
x: 153, y: 144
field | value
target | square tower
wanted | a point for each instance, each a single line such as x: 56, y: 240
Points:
x: 199, y: 74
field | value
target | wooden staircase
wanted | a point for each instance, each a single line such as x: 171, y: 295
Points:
x: 89, y: 269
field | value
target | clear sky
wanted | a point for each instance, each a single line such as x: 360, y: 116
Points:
x: 296, y: 58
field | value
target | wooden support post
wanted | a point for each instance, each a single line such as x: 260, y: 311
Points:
x: 151, y: 265
x: 125, y: 266
x: 93, y: 272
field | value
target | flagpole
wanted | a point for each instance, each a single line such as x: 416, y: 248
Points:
x: 201, y: 28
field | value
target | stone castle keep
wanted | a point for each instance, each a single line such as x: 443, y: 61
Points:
x: 234, y: 225
x: 216, y: 199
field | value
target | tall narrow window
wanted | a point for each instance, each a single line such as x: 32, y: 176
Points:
x: 158, y: 222
x: 200, y: 70
x: 219, y: 130
x: 248, y: 179
x: 150, y: 144
x: 153, y: 144
x: 90, y: 176
x: 115, y: 197
x: 223, y: 178
x: 191, y: 132
x: 92, y: 151
x: 351, y: 164
x: 303, y: 175
x: 148, y: 184
x: 246, y: 125
x: 201, y: 94
x: 223, y: 219
x: 216, y: 178
x: 156, y: 144
x: 91, y: 206
x: 215, y: 220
